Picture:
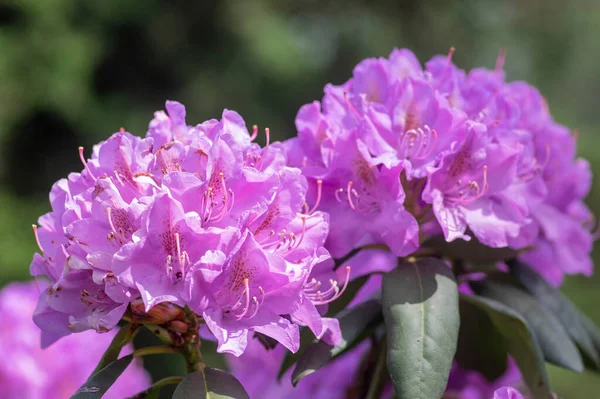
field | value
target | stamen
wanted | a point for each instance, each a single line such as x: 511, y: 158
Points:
x: 268, y: 135
x: 464, y: 198
x: 122, y: 130
x: 112, y: 226
x: 500, y: 60
x: 178, y: 244
x: 350, y: 106
x: 118, y: 178
x: 262, y: 295
x: 319, y: 189
x: 426, y: 144
x: 447, y: 67
x: 225, y: 208
x: 350, y: 196
x: 319, y: 298
x: 256, y: 305
x: 232, y: 199
x: 247, y: 297
x: 37, y: 238
x: 485, y: 184
x: 83, y: 161
x: 305, y: 207
x: 254, y: 133
x: 293, y: 236
x: 337, y: 194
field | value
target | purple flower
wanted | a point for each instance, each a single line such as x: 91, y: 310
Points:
x: 28, y: 371
x: 467, y: 384
x: 400, y: 153
x: 190, y: 215
x: 507, y: 393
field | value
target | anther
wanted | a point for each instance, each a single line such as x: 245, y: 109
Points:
x: 37, y: 238
x: 447, y: 66
x: 319, y: 189
x: 350, y: 106
x: 427, y: 145
x: 122, y: 130
x: 337, y: 194
x: 256, y: 305
x: 247, y: 297
x: 321, y: 298
x: 268, y: 136
x: 294, y: 246
x: 87, y: 168
x: 349, y: 189
x: 254, y: 133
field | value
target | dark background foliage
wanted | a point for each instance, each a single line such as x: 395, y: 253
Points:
x: 73, y: 72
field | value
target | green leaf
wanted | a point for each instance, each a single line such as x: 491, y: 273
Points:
x: 379, y: 377
x: 520, y: 340
x: 592, y: 330
x: 210, y: 384
x: 480, y: 346
x: 569, y: 316
x: 123, y: 337
x: 101, y: 381
x: 471, y: 251
x: 420, y: 308
x: 353, y: 323
x: 556, y: 344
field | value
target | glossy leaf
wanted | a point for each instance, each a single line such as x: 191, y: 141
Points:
x: 480, y: 346
x: 210, y: 384
x: 472, y: 251
x: 593, y: 331
x: 101, y: 381
x: 520, y: 341
x: 420, y: 308
x: 557, y: 346
x: 569, y: 316
x: 353, y: 322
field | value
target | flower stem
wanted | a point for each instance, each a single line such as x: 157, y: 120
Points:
x: 155, y: 350
x: 191, y: 344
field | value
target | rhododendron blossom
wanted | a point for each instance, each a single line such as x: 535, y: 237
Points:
x: 189, y: 215
x: 198, y: 233
x: 402, y: 153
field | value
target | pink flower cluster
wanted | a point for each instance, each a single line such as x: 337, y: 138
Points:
x: 29, y: 372
x: 202, y: 217
x: 400, y: 153
x: 190, y: 215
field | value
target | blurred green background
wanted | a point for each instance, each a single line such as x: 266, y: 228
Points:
x: 74, y: 71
